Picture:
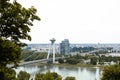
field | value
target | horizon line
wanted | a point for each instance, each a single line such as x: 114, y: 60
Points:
x: 74, y: 43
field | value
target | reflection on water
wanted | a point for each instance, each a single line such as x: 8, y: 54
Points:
x: 81, y: 73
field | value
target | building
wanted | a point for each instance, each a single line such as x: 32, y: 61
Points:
x: 65, y: 47
x: 41, y: 47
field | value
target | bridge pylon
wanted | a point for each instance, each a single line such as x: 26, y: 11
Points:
x: 52, y: 49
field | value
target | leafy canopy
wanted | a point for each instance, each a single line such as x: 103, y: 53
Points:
x: 15, y: 21
x: 14, y: 26
x: 111, y: 72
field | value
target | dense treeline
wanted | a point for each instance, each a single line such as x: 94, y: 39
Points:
x: 75, y: 59
x: 82, y: 49
x: 23, y: 75
x: 108, y: 58
x: 91, y: 59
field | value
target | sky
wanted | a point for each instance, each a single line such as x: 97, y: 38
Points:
x: 80, y: 21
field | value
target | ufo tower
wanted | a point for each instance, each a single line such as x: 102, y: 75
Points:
x: 52, y: 49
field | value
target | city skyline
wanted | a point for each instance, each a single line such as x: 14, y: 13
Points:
x: 80, y: 21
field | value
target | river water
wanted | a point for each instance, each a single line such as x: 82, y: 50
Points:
x: 80, y: 73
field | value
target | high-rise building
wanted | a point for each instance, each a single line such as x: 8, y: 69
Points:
x: 65, y: 47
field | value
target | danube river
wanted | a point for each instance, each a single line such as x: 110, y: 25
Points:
x: 80, y: 73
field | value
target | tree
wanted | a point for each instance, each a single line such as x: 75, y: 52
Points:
x: 9, y: 53
x: 61, y: 61
x: 39, y: 76
x: 56, y: 76
x: 93, y: 60
x: 23, y: 75
x: 70, y: 78
x: 111, y: 72
x: 7, y: 74
x: 14, y: 26
x: 48, y: 76
x: 72, y: 61
x: 15, y: 21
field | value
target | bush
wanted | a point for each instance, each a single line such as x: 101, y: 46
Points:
x: 72, y: 61
x: 39, y: 76
x: 48, y: 76
x: 60, y: 61
x: 23, y: 75
x: 70, y: 78
x: 111, y: 72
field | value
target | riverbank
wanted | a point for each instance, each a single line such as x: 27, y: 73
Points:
x: 67, y: 65
x: 71, y: 65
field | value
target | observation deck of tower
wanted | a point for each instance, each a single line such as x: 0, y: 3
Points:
x: 52, y: 40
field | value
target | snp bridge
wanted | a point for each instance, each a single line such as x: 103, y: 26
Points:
x: 36, y: 61
x: 51, y: 50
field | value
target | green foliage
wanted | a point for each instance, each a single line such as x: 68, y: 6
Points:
x: 101, y: 52
x: 61, y: 61
x: 82, y: 49
x: 70, y: 78
x: 56, y: 76
x: 15, y: 21
x: 14, y: 26
x: 111, y: 72
x: 23, y: 75
x: 48, y: 76
x: 39, y: 76
x: 101, y: 63
x: 9, y: 53
x: 93, y: 60
x: 104, y: 58
x: 77, y: 56
x: 72, y: 61
x: 7, y: 74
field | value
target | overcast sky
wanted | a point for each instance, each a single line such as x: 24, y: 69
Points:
x: 80, y: 21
